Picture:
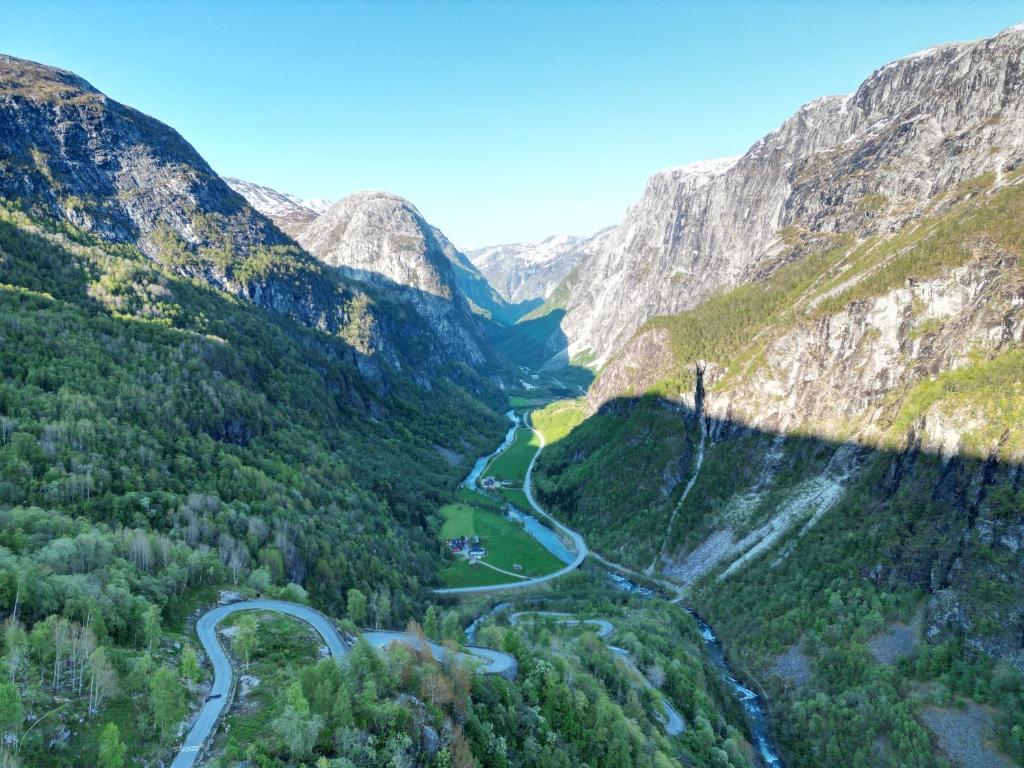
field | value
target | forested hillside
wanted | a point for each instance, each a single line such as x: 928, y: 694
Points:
x: 158, y: 437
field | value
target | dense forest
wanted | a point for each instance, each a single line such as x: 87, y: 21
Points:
x: 574, y: 702
x: 159, y: 438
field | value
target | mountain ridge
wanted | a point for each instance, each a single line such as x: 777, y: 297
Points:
x: 866, y: 162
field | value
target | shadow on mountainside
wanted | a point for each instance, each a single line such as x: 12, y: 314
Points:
x: 948, y: 527
x: 539, y: 343
x: 791, y: 541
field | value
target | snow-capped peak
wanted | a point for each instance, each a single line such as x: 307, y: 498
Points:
x: 289, y: 212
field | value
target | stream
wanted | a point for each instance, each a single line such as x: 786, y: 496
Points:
x: 483, y: 461
x: 753, y: 704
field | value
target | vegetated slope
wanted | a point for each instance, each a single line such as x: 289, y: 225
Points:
x: 866, y: 163
x: 863, y: 463
x: 71, y: 154
x: 158, y: 436
x: 189, y: 401
x: 382, y: 240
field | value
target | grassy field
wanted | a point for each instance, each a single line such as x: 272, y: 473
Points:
x: 505, y: 541
x: 517, y: 497
x: 511, y: 465
x: 558, y: 419
x: 526, y: 402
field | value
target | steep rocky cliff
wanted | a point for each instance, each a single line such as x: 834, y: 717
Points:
x: 381, y: 240
x: 291, y: 214
x: 71, y: 153
x: 865, y: 163
x: 811, y: 413
x: 522, y: 272
x: 68, y: 153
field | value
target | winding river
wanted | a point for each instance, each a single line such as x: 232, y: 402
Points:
x: 564, y: 542
x: 753, y: 705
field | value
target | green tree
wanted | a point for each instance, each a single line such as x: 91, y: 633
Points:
x: 190, y: 670
x: 356, y: 607
x: 11, y: 710
x: 296, y: 727
x: 244, y: 641
x: 112, y: 750
x: 450, y: 627
x: 430, y: 624
x: 167, y: 700
x: 150, y: 627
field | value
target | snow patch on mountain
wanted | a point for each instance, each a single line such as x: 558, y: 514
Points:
x: 291, y: 214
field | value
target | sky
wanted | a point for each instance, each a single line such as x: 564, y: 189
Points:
x: 501, y: 122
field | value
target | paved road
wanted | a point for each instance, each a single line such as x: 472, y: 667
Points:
x: 487, y: 660
x: 604, y: 627
x: 579, y: 544
x: 206, y: 628
x: 673, y: 721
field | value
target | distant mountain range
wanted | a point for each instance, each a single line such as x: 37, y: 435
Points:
x: 524, y: 272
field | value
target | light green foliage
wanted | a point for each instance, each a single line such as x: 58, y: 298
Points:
x: 296, y: 727
x: 356, y: 607
x: 244, y: 639
x: 558, y: 419
x: 11, y: 710
x: 167, y: 700
x: 112, y: 750
x: 190, y: 670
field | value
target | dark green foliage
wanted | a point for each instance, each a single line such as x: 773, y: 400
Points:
x: 194, y: 415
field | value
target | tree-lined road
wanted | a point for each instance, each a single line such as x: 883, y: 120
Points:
x: 487, y: 661
x: 673, y: 721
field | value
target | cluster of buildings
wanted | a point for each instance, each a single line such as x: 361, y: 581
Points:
x: 468, y: 548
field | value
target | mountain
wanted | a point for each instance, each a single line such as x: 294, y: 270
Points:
x: 810, y: 414
x: 73, y: 155
x: 294, y: 216
x: 862, y: 164
x: 522, y: 272
x: 381, y: 240
x: 289, y: 213
x: 192, y: 404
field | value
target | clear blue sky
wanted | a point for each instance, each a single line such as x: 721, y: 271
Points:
x: 500, y: 121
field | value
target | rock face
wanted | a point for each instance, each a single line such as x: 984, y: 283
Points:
x: 830, y: 373
x: 291, y: 214
x: 294, y: 216
x: 864, y: 163
x: 381, y: 240
x: 524, y: 271
x: 69, y: 153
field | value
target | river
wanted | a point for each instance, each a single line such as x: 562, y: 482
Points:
x: 752, y: 703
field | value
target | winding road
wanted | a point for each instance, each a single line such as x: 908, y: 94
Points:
x: 579, y: 544
x: 487, y: 661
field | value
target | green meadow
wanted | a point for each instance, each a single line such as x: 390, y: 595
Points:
x: 506, y: 543
x: 511, y: 465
